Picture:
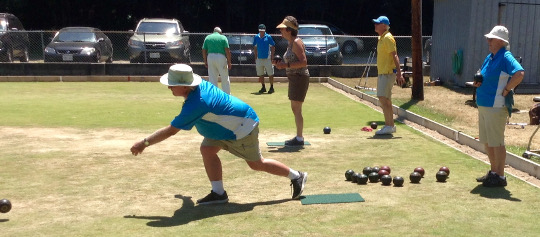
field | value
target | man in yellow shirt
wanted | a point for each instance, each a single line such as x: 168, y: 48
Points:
x: 388, y: 72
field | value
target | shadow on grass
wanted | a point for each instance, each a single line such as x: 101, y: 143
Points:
x: 494, y: 193
x: 288, y: 149
x: 407, y: 105
x: 384, y: 137
x: 4, y: 220
x: 189, y: 212
x: 471, y: 103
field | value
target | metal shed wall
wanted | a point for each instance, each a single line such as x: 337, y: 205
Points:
x: 461, y: 25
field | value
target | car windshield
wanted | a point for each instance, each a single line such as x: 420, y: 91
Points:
x: 240, y: 39
x: 314, y: 31
x: 75, y: 37
x: 157, y: 27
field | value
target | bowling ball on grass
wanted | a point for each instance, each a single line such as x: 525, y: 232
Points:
x: 420, y: 170
x: 415, y: 177
x: 348, y: 175
x: 5, y: 206
x: 441, y: 176
x: 386, y: 179
x: 398, y: 181
x: 382, y: 173
x: 373, y: 125
x: 367, y: 170
x: 362, y: 179
x: 327, y: 130
x: 373, y: 177
x: 445, y: 169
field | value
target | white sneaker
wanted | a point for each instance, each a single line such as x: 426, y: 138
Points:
x: 386, y: 130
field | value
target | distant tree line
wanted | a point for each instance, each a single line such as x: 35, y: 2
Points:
x: 352, y: 16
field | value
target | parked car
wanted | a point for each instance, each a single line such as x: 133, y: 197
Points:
x: 13, y: 39
x: 159, y: 40
x: 79, y: 44
x: 241, y: 47
x: 347, y: 43
x: 321, y: 46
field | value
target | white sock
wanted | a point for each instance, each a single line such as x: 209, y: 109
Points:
x: 300, y: 138
x: 502, y: 177
x: 293, y: 174
x: 217, y: 187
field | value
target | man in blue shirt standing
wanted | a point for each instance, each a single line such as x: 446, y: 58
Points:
x: 264, y: 52
x: 501, y: 73
x: 226, y: 123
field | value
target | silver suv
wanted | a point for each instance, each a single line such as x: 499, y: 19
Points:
x: 159, y: 40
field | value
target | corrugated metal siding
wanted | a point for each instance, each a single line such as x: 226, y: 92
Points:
x: 461, y: 24
x: 449, y: 35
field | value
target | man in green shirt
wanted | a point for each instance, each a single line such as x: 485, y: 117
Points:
x: 217, y: 58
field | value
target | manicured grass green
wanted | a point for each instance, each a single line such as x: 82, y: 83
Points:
x: 67, y: 169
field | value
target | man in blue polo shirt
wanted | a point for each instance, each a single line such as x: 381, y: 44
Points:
x: 264, y: 52
x: 501, y: 73
x: 226, y: 123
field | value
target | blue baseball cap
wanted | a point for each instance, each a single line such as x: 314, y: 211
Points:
x: 382, y: 19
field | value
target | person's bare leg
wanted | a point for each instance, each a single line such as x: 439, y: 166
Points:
x: 212, y: 163
x: 270, y: 166
x: 296, y: 107
x: 386, y: 105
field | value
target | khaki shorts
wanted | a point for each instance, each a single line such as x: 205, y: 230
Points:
x: 491, y: 125
x: 246, y: 148
x: 262, y: 64
x: 384, y: 85
x: 298, y: 87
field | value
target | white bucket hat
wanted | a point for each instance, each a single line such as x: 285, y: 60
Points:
x: 180, y: 75
x: 498, y: 32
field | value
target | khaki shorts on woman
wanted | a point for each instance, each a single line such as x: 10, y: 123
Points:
x: 298, y: 86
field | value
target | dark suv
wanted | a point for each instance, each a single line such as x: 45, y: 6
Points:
x: 13, y: 39
x: 159, y: 40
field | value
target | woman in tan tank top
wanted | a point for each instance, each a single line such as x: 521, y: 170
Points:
x: 295, y: 62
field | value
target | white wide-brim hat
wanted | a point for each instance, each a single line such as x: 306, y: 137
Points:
x: 180, y: 75
x: 498, y: 32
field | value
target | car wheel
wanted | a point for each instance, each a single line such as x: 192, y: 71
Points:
x: 349, y: 47
x: 98, y: 57
x: 8, y: 57
x: 25, y: 58
x: 132, y: 60
x: 109, y: 60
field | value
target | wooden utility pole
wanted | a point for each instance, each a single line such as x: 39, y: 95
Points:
x: 416, y: 26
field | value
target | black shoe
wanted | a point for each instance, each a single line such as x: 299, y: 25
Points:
x: 294, y: 142
x: 298, y: 185
x: 481, y: 179
x: 493, y: 180
x: 213, y: 198
x: 271, y: 90
x: 262, y: 90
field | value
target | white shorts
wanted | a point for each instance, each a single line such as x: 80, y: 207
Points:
x: 264, y: 63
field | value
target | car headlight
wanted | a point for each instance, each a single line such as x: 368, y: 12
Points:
x: 174, y: 43
x: 50, y: 50
x: 88, y: 51
x: 135, y: 43
x: 332, y: 45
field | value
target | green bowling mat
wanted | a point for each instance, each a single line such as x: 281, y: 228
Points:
x: 331, y: 198
x: 306, y: 143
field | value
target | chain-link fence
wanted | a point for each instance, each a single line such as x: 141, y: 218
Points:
x: 126, y: 47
